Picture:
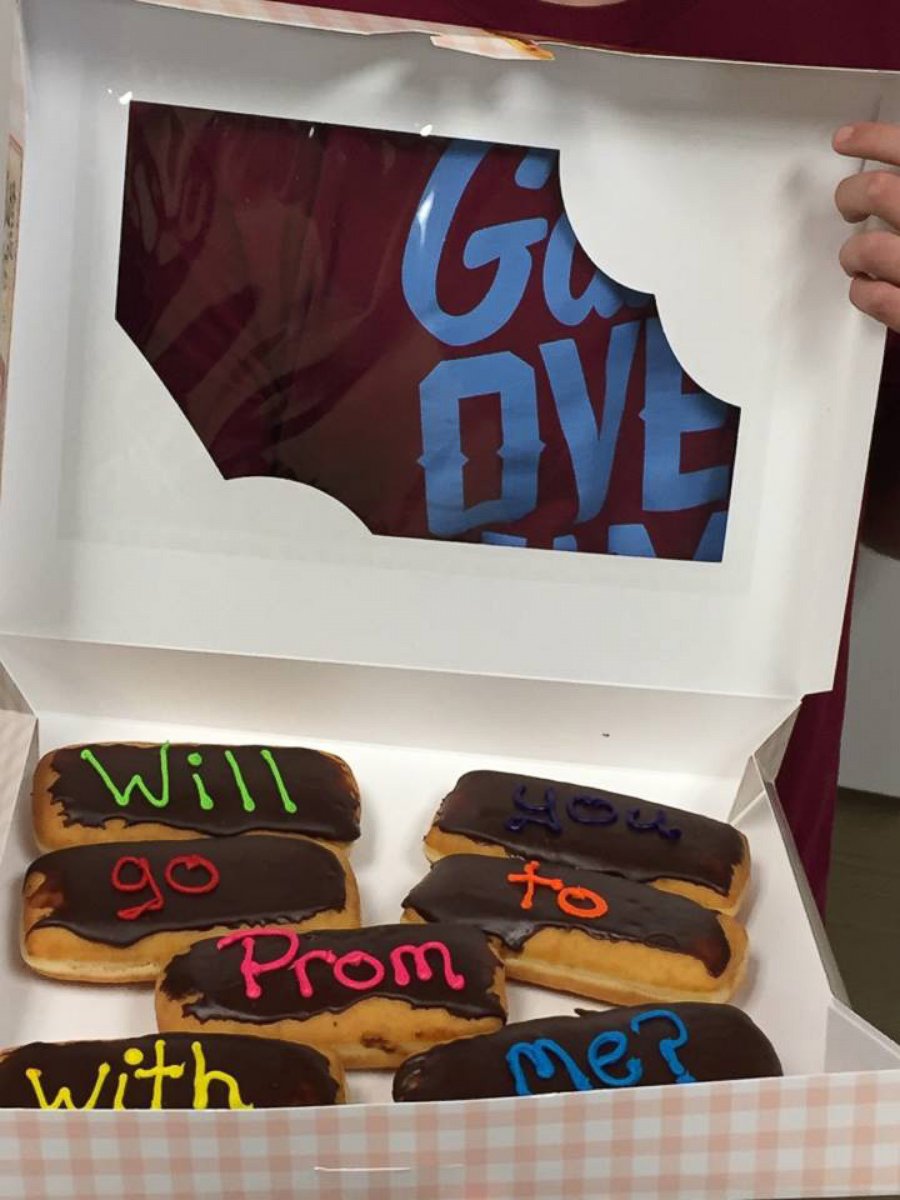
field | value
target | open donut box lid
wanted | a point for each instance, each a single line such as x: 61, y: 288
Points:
x: 143, y: 594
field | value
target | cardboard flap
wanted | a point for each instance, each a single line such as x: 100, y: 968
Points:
x: 707, y: 185
x: 853, y: 1040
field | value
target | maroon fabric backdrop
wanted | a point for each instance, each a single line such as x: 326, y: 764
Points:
x: 808, y: 781
x: 834, y: 33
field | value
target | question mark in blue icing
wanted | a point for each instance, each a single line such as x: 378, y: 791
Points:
x: 668, y: 1047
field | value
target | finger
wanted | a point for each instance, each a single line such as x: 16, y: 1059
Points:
x: 871, y: 194
x: 873, y: 255
x: 878, y: 300
x: 875, y: 141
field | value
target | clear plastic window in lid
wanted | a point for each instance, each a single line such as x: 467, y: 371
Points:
x: 409, y: 325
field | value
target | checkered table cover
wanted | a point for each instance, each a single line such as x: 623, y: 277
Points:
x: 828, y: 1135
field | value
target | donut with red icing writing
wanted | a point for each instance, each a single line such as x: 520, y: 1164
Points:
x: 117, y: 912
x: 587, y: 932
x: 372, y: 996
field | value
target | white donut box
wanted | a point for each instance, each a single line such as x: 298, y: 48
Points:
x: 142, y: 596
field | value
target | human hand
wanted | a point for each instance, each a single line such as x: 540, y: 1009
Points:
x: 872, y: 259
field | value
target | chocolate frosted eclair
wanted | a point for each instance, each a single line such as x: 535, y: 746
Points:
x: 625, y: 1047
x: 117, y: 913
x: 124, y: 791
x: 587, y: 932
x: 372, y: 996
x: 168, y: 1071
x: 492, y: 812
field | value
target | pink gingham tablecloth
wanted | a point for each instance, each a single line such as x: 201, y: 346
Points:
x: 830, y: 1135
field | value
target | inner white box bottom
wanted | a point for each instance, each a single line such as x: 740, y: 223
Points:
x: 785, y: 991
